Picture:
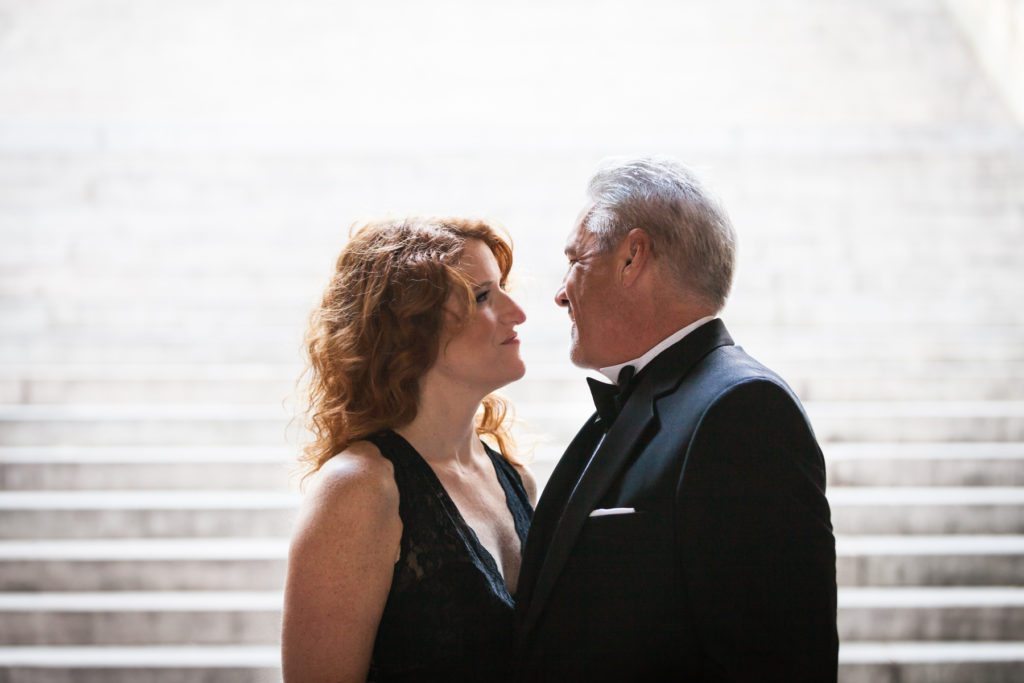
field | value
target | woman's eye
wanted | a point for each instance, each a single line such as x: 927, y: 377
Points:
x: 482, y: 296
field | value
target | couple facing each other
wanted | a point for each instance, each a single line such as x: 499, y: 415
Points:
x: 684, y: 534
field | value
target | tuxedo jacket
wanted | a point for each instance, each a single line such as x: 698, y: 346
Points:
x: 725, y: 569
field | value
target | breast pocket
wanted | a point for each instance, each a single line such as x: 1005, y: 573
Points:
x: 612, y: 535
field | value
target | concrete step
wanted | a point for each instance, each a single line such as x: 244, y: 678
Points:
x: 141, y: 664
x: 141, y: 618
x: 146, y: 514
x: 165, y: 425
x: 182, y: 513
x: 253, y: 617
x: 169, y: 564
x: 924, y: 464
x: 900, y: 614
x: 931, y: 662
x: 178, y: 344
x: 900, y: 662
x: 139, y: 468
x: 859, y: 315
x: 226, y: 424
x: 215, y: 383
x: 887, y: 561
x: 927, y: 510
x: 183, y: 564
x: 30, y: 468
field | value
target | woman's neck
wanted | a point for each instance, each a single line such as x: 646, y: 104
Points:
x: 444, y: 429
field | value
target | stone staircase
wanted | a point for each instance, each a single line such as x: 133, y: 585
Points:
x: 158, y: 260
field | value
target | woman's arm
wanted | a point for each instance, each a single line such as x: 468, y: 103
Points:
x: 340, y: 565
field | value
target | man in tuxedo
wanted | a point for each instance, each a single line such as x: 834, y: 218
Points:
x: 685, y: 534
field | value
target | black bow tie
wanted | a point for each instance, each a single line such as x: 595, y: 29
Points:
x: 609, y: 398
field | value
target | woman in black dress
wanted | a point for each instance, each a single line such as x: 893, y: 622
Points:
x: 404, y: 561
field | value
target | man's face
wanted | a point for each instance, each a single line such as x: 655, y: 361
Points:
x: 590, y: 293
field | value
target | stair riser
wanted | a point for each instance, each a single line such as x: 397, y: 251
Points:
x: 152, y: 391
x: 285, y: 475
x: 156, y: 391
x: 138, y: 476
x: 930, y: 570
x: 242, y: 347
x: 268, y: 574
x: 928, y: 519
x: 141, y: 575
x: 925, y: 672
x: 946, y: 672
x: 140, y: 628
x: 263, y: 627
x: 558, y: 429
x: 156, y: 432
x: 83, y: 524
x: 57, y: 674
x: 256, y: 522
x: 939, y: 472
x: 927, y: 624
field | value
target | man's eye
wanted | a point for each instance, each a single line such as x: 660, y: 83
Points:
x: 482, y: 296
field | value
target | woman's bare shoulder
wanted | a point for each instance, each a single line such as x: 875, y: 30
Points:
x: 358, y: 480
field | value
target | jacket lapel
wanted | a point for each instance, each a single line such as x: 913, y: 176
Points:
x: 660, y: 377
x: 550, y: 506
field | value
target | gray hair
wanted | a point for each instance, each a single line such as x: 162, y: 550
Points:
x: 688, y: 228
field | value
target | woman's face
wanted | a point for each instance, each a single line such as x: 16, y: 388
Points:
x: 483, y: 354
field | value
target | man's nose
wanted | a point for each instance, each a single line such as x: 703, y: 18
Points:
x: 560, y: 298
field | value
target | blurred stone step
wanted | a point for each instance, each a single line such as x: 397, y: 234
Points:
x: 861, y: 662
x: 254, y: 467
x: 168, y: 513
x: 840, y: 421
x: 902, y: 614
x: 139, y: 468
x: 925, y: 464
x: 141, y: 618
x: 887, y: 561
x: 259, y: 563
x: 253, y: 617
x: 141, y: 664
x: 876, y: 421
x: 544, y: 381
x: 917, y: 420
x: 144, y: 564
x: 238, y: 345
x: 170, y: 564
x: 168, y: 425
x: 146, y: 514
x: 931, y: 662
x: 927, y: 510
x: 760, y: 327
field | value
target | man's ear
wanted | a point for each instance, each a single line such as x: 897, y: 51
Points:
x: 634, y: 256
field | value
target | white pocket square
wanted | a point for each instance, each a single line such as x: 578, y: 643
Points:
x: 602, y: 512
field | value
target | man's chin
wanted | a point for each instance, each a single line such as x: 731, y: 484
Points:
x: 579, y: 358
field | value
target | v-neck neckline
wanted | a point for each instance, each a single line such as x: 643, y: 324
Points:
x: 467, y: 532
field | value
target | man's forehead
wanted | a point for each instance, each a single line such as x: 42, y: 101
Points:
x: 579, y: 236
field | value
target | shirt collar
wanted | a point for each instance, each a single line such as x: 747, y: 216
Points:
x: 612, y: 371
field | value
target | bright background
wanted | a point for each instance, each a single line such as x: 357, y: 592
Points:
x: 177, y: 178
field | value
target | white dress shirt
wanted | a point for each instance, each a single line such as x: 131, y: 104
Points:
x: 612, y: 371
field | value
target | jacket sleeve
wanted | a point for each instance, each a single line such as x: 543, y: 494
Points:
x: 754, y: 541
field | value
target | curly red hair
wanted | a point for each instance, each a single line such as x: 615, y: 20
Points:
x: 378, y: 330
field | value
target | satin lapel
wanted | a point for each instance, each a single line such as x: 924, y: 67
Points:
x: 635, y: 417
x: 662, y: 376
x: 552, y: 502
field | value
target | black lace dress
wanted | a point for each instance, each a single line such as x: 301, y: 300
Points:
x: 449, y: 614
